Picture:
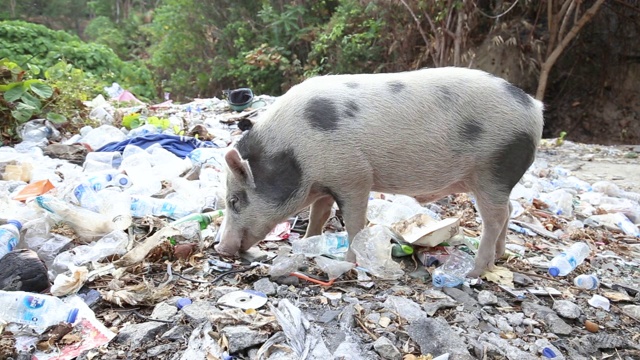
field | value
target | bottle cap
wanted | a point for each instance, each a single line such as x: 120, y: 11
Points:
x: 182, y: 302
x: 15, y: 223
x: 548, y: 353
x: 73, y: 314
x: 554, y: 271
x: 122, y: 180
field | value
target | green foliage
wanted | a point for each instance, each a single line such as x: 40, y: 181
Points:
x: 23, y: 97
x: 350, y: 42
x: 37, y: 45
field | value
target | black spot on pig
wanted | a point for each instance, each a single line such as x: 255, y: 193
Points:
x: 396, y: 86
x: 512, y: 160
x: 322, y: 114
x: 352, y: 108
x: 352, y: 85
x: 278, y: 176
x: 518, y: 94
x: 445, y: 94
x: 471, y: 130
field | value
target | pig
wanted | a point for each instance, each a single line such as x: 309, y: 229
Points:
x: 426, y: 133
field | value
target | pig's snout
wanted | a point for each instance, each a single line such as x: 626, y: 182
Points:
x: 224, y: 250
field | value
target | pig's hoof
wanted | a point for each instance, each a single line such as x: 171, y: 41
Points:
x: 476, y: 272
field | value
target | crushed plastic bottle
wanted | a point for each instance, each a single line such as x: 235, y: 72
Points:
x: 568, y: 260
x: 572, y: 182
x: 560, y: 202
x: 372, y: 247
x: 587, y: 282
x: 114, y: 243
x: 37, y: 311
x: 116, y: 205
x: 626, y: 225
x: 204, y: 219
x: 211, y: 156
x: 86, y: 222
x: 9, y: 236
x: 453, y: 270
x: 335, y: 244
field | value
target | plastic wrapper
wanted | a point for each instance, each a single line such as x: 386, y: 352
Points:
x: 372, y: 247
x: 333, y: 268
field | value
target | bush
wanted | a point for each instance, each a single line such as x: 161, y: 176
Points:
x: 32, y: 44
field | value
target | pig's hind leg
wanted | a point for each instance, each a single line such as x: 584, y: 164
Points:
x: 318, y: 216
x: 495, y: 219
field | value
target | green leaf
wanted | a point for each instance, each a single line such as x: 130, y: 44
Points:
x: 56, y: 118
x: 22, y: 112
x: 14, y: 93
x: 31, y: 101
x: 35, y: 70
x: 43, y: 90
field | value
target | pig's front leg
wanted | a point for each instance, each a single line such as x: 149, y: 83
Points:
x: 318, y: 216
x: 354, y: 212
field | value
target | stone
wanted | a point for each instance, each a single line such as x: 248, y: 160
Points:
x: 373, y: 317
x: 435, y: 337
x: 470, y: 304
x: 177, y: 333
x: 328, y: 316
x: 140, y: 333
x: 406, y: 308
x: 200, y: 311
x: 385, y: 348
x: 265, y: 286
x: 160, y: 349
x: 504, y: 348
x: 515, y: 319
x: 347, y: 317
x: 503, y: 324
x: 164, y: 311
x: 469, y: 320
x: 554, y: 323
x: 241, y: 337
x: 486, y: 297
x: 566, y: 309
x: 522, y: 279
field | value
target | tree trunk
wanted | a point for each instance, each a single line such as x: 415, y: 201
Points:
x: 545, y: 69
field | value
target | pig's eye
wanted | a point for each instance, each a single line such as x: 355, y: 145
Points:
x: 233, y: 202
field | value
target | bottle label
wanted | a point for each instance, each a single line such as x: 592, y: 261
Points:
x: 32, y: 304
x: 168, y: 208
x: 12, y: 243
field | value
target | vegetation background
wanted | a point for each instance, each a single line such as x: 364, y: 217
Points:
x: 582, y: 57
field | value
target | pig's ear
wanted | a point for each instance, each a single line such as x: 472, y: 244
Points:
x: 240, y: 168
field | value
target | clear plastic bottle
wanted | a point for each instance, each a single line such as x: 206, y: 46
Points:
x: 111, y: 244
x: 87, y: 196
x: 116, y: 205
x: 81, y: 219
x: 37, y: 311
x: 212, y: 156
x: 453, y: 270
x: 587, y: 282
x: 9, y: 236
x: 335, y: 244
x: 560, y: 202
x: 568, y: 260
x: 145, y: 205
x: 101, y: 180
x: 626, y: 225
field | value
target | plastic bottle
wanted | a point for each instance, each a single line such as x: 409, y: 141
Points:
x: 566, y: 261
x: 114, y: 243
x: 9, y: 236
x: 560, y: 202
x: 87, y: 196
x: 101, y: 180
x: 80, y: 219
x: 37, y: 311
x: 587, y: 282
x: 453, y: 270
x: 116, y: 205
x: 213, y: 156
x: 328, y: 243
x: 573, y: 182
x: 626, y: 225
x: 400, y: 250
x: 146, y: 205
x: 204, y: 219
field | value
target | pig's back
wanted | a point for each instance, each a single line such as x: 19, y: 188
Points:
x: 443, y: 121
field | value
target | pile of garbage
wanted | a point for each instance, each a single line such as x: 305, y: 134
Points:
x: 106, y: 252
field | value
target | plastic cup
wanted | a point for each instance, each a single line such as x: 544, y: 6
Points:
x: 112, y: 159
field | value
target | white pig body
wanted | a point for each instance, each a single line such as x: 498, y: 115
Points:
x: 425, y: 133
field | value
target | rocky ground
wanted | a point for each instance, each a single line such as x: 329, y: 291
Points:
x: 518, y: 313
